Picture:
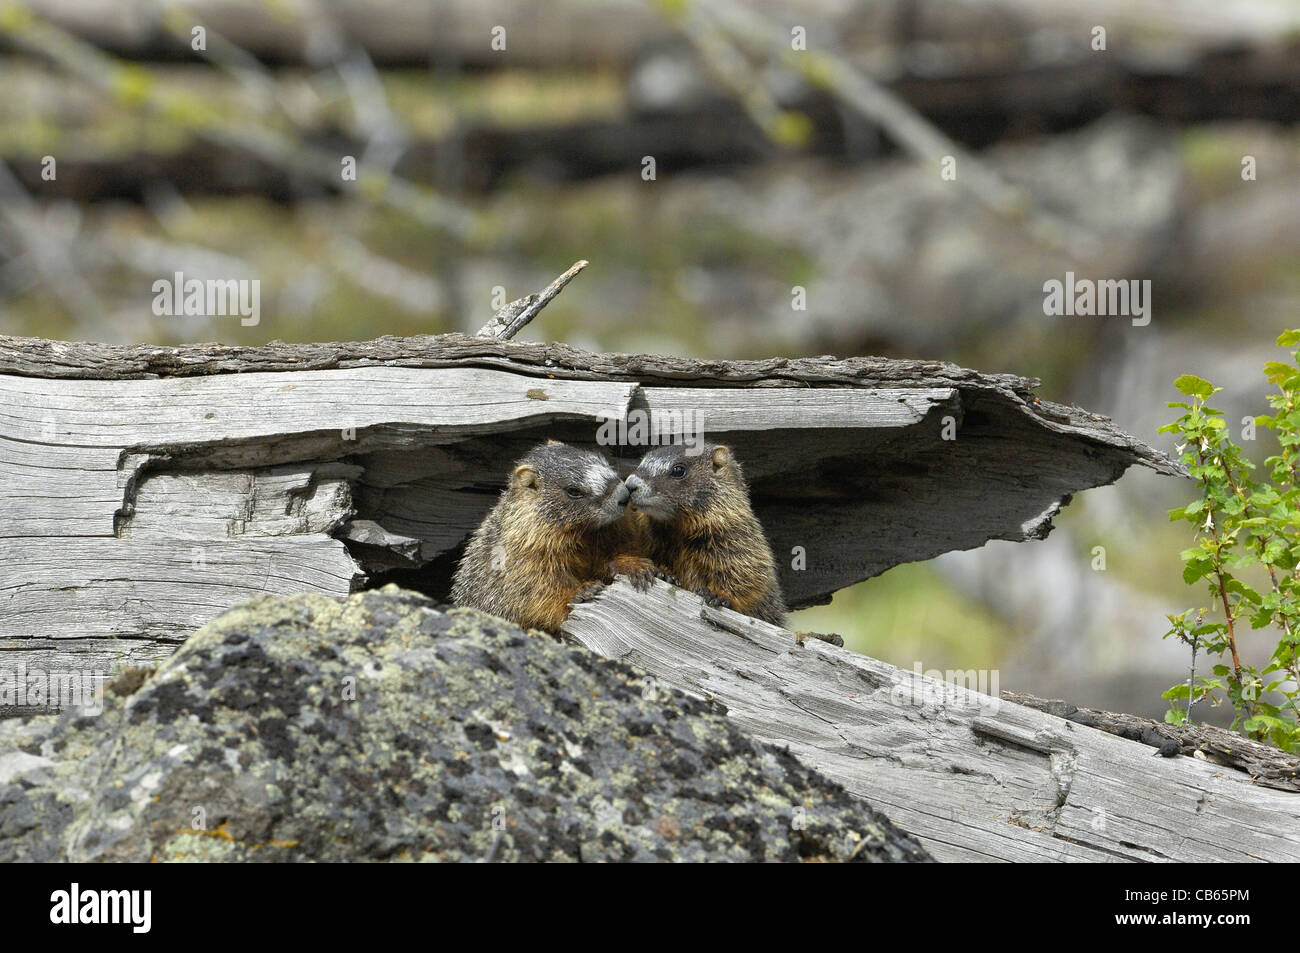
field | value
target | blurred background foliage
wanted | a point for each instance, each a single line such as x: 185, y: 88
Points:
x: 486, y: 168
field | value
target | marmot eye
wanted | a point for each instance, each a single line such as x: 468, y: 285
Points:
x: 574, y: 492
x: 678, y: 470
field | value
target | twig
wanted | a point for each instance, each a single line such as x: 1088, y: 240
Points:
x: 721, y: 58
x: 179, y: 20
x: 1191, y: 676
x: 130, y: 82
x: 515, y: 316
x: 912, y: 131
x: 1219, y: 546
x: 385, y: 135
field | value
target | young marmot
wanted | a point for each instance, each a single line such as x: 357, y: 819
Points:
x: 703, y: 531
x: 559, y: 532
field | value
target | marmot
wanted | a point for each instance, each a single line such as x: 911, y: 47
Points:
x: 703, y: 531
x: 560, y: 531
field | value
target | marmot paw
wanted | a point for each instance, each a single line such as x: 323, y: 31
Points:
x: 638, y: 569
x: 641, y: 579
x: 666, y: 577
x: 713, y: 600
x: 588, y: 592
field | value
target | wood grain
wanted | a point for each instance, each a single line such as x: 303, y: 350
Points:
x: 976, y: 778
x: 339, y: 463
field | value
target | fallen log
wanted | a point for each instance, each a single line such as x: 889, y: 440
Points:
x: 1266, y: 765
x: 146, y: 489
x: 972, y: 776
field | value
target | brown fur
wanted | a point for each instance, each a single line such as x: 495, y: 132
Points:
x: 703, y: 530
x: 539, y: 550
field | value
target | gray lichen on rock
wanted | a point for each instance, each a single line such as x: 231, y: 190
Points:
x: 384, y: 727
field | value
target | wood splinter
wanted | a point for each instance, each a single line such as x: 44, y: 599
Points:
x: 515, y: 316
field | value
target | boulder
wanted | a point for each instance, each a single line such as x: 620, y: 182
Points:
x: 386, y: 727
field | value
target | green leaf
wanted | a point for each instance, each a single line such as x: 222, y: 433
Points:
x: 1243, y: 590
x: 1264, y: 495
x: 1275, y: 372
x: 1194, y: 386
x: 1263, y: 723
x: 1196, y: 569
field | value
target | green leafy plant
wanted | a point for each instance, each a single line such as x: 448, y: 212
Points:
x: 1246, y: 532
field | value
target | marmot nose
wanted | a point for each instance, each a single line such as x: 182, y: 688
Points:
x: 634, y: 483
x: 621, y: 494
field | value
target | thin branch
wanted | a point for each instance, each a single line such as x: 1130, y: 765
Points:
x: 130, y: 82
x: 179, y: 20
x: 1191, y: 675
x: 907, y: 127
x: 515, y: 316
x: 728, y: 65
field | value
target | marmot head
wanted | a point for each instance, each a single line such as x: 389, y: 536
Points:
x: 669, y: 482
x: 569, y: 487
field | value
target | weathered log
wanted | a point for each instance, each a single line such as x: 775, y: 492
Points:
x: 974, y: 777
x: 145, y: 489
x: 1266, y: 765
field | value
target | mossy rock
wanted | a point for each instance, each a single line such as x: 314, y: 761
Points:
x: 385, y: 727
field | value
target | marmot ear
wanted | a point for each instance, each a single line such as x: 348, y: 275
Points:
x: 721, y: 457
x: 525, y: 476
